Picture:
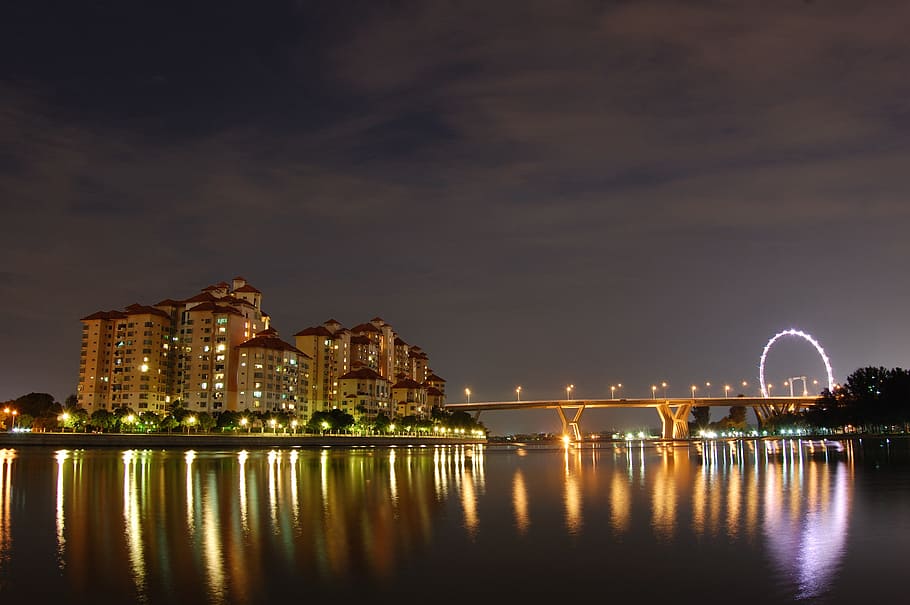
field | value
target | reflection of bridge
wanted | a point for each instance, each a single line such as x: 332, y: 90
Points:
x: 674, y: 413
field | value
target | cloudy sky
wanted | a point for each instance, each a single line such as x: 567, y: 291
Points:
x: 537, y: 193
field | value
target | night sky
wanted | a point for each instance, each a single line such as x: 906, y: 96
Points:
x: 536, y: 193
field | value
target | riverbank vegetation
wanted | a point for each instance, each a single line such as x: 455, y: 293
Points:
x: 872, y: 400
x: 39, y: 412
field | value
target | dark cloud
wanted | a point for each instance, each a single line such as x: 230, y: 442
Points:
x: 535, y: 192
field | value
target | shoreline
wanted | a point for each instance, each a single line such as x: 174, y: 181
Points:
x: 208, y: 440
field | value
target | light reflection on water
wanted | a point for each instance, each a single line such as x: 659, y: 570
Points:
x: 247, y: 526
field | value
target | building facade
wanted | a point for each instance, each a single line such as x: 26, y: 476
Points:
x: 215, y: 351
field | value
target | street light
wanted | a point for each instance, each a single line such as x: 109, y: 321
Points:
x: 244, y: 422
x: 569, y: 390
x: 518, y: 393
x: 653, y: 391
x: 726, y: 390
x: 467, y: 394
x: 707, y: 389
x: 664, y: 385
x: 612, y: 391
x: 693, y: 391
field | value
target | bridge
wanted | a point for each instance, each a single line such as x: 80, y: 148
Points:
x: 674, y: 413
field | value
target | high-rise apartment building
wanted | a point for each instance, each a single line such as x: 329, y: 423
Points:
x: 125, y: 360
x: 338, y: 352
x: 364, y: 393
x: 145, y: 357
x: 215, y: 351
x: 272, y: 375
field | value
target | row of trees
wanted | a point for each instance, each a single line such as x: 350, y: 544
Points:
x: 871, y: 400
x: 40, y: 412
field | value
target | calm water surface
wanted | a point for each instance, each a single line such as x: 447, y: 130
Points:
x: 747, y: 522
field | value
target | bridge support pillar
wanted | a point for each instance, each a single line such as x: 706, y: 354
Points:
x: 674, y: 423
x: 570, y: 427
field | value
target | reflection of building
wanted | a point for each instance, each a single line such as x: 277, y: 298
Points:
x: 223, y: 540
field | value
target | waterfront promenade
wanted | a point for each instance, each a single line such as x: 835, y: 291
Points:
x: 221, y: 441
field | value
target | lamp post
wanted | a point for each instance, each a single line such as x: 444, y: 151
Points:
x: 693, y: 391
x: 518, y: 393
x: 664, y: 385
x: 569, y: 390
x: 244, y: 422
x: 726, y: 390
x: 707, y: 389
x: 653, y: 391
x: 467, y: 395
x: 612, y: 391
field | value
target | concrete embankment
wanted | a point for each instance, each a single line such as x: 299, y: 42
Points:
x: 194, y: 441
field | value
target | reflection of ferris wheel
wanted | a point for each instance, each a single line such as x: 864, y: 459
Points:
x: 803, y: 335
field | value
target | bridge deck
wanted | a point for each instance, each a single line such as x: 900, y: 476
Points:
x: 628, y: 403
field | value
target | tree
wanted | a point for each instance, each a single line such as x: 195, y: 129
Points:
x: 168, y: 423
x: 228, y: 420
x: 206, y: 421
x: 150, y: 421
x: 701, y: 416
x: 334, y: 420
x: 74, y: 418
x: 102, y: 420
x: 737, y: 416
x: 37, y: 404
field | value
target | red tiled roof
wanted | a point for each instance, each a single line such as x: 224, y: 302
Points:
x: 212, y: 287
x: 434, y: 378
x: 368, y: 373
x: 379, y: 319
x: 331, y: 321
x: 213, y: 308
x: 248, y: 288
x: 238, y: 278
x: 268, y: 339
x: 400, y: 342
x: 168, y: 302
x: 407, y: 383
x: 137, y: 309
x: 105, y: 315
x: 365, y: 327
x: 314, y: 331
x: 201, y: 297
x: 433, y: 391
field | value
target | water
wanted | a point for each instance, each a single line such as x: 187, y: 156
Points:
x: 747, y: 522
